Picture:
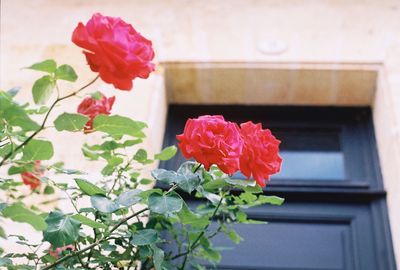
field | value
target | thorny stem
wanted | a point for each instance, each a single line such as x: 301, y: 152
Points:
x: 42, y: 126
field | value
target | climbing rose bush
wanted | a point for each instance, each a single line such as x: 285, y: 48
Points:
x: 115, y: 50
x: 130, y: 214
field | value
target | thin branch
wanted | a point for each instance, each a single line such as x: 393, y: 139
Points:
x: 105, y: 238
x: 42, y: 126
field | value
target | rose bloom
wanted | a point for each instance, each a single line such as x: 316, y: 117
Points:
x: 260, y: 157
x: 210, y: 140
x: 31, y: 179
x: 92, y: 107
x: 57, y: 252
x: 115, y: 50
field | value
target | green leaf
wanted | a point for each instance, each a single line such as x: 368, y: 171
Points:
x: 17, y: 212
x: 233, y: 235
x: 188, y: 182
x: 48, y: 66
x: 240, y: 182
x: 129, y: 198
x: 166, y: 204
x: 61, y: 229
x: 144, y: 237
x: 158, y: 257
x: 103, y: 204
x: 48, y: 190
x: 166, y: 154
x: 70, y: 122
x: 274, y: 200
x: 141, y: 157
x: 89, y: 188
x: 66, y: 73
x: 2, y: 233
x: 16, y: 115
x: 116, y: 125
x: 42, y: 89
x: 38, y: 150
x: 88, y: 222
x: 164, y: 176
x: 187, y: 217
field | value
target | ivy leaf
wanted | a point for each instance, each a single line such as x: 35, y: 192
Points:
x: 48, y: 66
x: 42, y: 89
x: 103, y: 204
x: 129, y: 197
x: 61, y: 229
x: 38, y: 150
x: 167, y: 153
x: 166, y: 204
x: 88, y: 222
x: 89, y: 188
x: 116, y: 125
x: 144, y: 237
x: 66, y: 73
x: 70, y: 122
x: 17, y: 212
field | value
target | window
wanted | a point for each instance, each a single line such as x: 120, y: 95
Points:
x: 335, y: 214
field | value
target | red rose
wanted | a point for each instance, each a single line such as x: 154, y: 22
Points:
x: 57, y: 252
x: 32, y: 178
x: 92, y: 107
x: 115, y: 50
x: 260, y: 156
x: 210, y: 139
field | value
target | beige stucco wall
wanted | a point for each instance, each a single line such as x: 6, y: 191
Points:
x: 300, y: 35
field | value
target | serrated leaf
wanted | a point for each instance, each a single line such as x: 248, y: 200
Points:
x: 48, y: 66
x: 165, y: 204
x: 103, y: 204
x: 89, y: 188
x: 129, y: 198
x: 70, y: 122
x: 38, y: 150
x: 42, y: 89
x: 144, y: 237
x: 116, y: 125
x: 17, y: 212
x: 66, y: 73
x: 89, y: 222
x: 167, y: 153
x: 61, y: 229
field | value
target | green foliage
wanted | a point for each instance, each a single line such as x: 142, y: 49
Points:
x: 117, y: 126
x: 167, y: 153
x: 166, y: 204
x: 18, y: 212
x: 89, y: 222
x: 144, y: 237
x: 48, y: 66
x: 66, y: 73
x: 42, y: 89
x: 61, y: 229
x: 89, y: 188
x: 70, y: 122
x: 38, y: 150
x: 124, y: 223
